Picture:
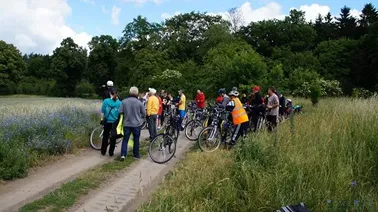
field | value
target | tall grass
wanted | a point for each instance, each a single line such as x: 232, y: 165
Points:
x: 330, y: 163
x: 33, y: 128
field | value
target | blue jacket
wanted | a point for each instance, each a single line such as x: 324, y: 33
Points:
x: 110, y: 110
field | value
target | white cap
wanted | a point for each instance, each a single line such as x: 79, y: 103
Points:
x: 152, y: 91
x: 289, y: 100
x: 109, y: 83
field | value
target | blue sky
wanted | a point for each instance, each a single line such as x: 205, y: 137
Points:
x: 40, y: 25
x: 90, y: 17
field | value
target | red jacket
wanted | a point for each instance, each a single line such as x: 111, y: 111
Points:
x: 219, y: 99
x: 200, y: 100
x: 160, y: 111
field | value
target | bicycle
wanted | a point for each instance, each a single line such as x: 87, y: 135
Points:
x: 191, y: 128
x: 95, y: 139
x: 218, y: 132
x: 164, y: 145
x: 261, y: 120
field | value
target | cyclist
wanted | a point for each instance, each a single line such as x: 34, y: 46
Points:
x: 225, y: 98
x: 256, y: 102
x: 239, y: 117
x: 200, y: 99
x: 273, y: 109
x: 109, y: 116
x: 108, y: 88
x: 181, y: 108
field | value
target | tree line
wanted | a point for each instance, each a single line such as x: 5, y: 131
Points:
x: 330, y: 56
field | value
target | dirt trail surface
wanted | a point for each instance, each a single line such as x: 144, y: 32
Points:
x: 15, y: 194
x: 132, y: 186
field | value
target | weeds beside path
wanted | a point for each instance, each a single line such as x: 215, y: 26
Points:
x: 330, y: 163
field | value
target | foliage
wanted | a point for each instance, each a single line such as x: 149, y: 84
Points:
x: 36, y: 86
x: 315, y: 92
x: 12, y: 67
x: 361, y: 93
x: 85, y: 89
x: 324, y: 88
x: 318, y: 165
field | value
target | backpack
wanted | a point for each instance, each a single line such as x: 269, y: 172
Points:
x: 294, y: 208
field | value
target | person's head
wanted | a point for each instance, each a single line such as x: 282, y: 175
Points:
x: 181, y: 92
x: 113, y: 94
x: 109, y: 83
x: 233, y: 94
x: 134, y: 91
x: 199, y: 91
x: 244, y: 95
x: 152, y: 92
x: 222, y: 91
x: 169, y: 95
x: 234, y: 88
x: 271, y: 91
x: 255, y: 89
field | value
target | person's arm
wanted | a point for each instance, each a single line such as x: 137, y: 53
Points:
x: 142, y: 110
x: 103, y: 110
x: 230, y: 106
x: 180, y: 102
x: 202, y: 98
x: 276, y: 103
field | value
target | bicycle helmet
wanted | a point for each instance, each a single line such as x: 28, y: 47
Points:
x: 222, y: 91
x: 289, y: 100
x: 109, y: 83
x: 234, y: 93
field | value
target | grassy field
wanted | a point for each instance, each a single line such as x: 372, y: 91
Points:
x: 330, y: 163
x: 32, y: 130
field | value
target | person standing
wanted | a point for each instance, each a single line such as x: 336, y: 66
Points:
x: 108, y: 88
x: 181, y: 108
x: 160, y: 113
x: 273, y: 108
x: 225, y: 98
x: 109, y: 113
x: 152, y: 112
x: 239, y: 116
x: 133, y: 113
x: 256, y: 102
x: 200, y: 99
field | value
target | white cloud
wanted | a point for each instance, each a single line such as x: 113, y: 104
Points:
x: 37, y: 25
x: 312, y: 11
x: 115, y: 15
x: 142, y: 2
x: 89, y: 1
x: 166, y: 16
x: 355, y: 13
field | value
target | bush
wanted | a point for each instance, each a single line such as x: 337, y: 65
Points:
x: 315, y: 93
x: 34, y: 86
x: 85, y: 90
x: 14, y: 161
x: 361, y: 93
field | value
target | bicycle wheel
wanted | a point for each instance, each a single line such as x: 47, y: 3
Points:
x: 95, y: 140
x: 162, y: 148
x: 192, y: 130
x: 209, y: 139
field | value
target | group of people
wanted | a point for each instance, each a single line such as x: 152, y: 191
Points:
x: 151, y: 105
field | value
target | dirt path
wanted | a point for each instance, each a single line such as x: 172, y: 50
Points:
x: 15, y: 194
x: 131, y: 187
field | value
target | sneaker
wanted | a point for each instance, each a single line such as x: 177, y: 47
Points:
x: 111, y: 155
x: 123, y: 158
x: 136, y: 158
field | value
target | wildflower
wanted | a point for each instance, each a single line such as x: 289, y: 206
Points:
x: 329, y: 201
x: 356, y: 202
x: 354, y: 183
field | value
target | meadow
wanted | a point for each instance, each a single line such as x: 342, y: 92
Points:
x: 33, y: 130
x: 329, y: 161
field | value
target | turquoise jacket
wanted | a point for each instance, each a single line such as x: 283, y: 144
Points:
x: 110, y: 110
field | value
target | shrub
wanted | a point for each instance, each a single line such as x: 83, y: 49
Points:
x: 361, y: 93
x: 14, y: 161
x: 85, y: 90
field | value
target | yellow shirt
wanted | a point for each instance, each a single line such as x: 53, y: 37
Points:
x: 183, y: 102
x: 152, y: 105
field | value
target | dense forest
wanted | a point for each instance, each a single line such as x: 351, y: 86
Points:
x: 331, y: 55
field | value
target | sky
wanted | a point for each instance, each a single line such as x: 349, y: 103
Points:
x: 40, y: 25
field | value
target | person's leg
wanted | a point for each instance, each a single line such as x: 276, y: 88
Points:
x: 255, y: 120
x: 113, y: 137
x: 105, y: 138
x: 236, y: 134
x: 125, y: 141
x: 153, y: 126
x: 149, y: 120
x: 269, y: 122
x: 136, y: 135
x: 182, y: 115
x: 274, y: 122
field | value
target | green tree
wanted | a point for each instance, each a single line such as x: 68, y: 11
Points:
x: 368, y: 17
x: 102, y: 60
x: 233, y: 64
x: 340, y: 62
x: 68, y: 63
x: 39, y: 66
x: 325, y: 28
x: 346, y: 23
x: 12, y: 67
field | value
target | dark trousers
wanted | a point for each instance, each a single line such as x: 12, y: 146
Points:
x: 136, y: 134
x: 272, y: 122
x: 108, y: 128
x: 151, y: 120
x: 255, y: 119
x: 240, y: 130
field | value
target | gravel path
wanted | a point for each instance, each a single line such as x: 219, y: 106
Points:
x: 132, y: 186
x: 15, y: 194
